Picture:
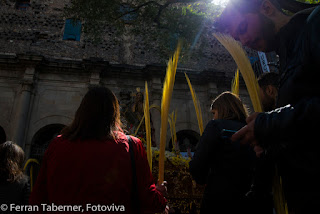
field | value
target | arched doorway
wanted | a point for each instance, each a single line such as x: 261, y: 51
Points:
x: 42, y: 138
x: 187, y: 139
x: 40, y: 143
x: 3, y: 137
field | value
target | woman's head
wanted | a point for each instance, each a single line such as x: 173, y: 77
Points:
x: 228, y: 106
x: 11, y: 161
x: 97, y: 117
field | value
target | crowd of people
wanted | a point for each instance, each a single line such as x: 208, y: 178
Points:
x: 237, y: 169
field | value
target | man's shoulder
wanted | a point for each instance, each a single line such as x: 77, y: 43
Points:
x: 314, y: 15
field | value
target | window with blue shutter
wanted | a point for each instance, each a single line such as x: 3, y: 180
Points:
x: 72, y: 30
x: 22, y: 5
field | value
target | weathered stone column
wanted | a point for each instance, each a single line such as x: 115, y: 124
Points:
x: 212, y: 90
x: 155, y: 99
x: 23, y: 107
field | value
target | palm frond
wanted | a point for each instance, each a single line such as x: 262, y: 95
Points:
x: 165, y: 104
x: 172, y: 123
x: 235, y: 83
x: 280, y: 205
x: 196, y: 104
x: 148, y: 126
x: 241, y: 59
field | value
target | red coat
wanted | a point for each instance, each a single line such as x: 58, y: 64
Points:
x: 95, y: 172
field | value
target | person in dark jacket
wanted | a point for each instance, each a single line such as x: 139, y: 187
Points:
x: 289, y: 132
x: 14, y: 185
x: 225, y: 167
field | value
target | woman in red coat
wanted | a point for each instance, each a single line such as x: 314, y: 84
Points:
x: 90, y: 166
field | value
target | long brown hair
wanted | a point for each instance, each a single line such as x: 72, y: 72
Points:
x: 229, y: 107
x: 11, y: 162
x: 98, y: 116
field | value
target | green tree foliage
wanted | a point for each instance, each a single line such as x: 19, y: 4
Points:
x: 309, y: 1
x: 163, y: 20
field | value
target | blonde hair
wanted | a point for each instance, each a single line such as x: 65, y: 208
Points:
x: 229, y: 107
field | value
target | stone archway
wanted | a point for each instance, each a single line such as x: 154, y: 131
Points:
x: 42, y: 138
x: 3, y: 137
x: 186, y: 138
x: 41, y: 141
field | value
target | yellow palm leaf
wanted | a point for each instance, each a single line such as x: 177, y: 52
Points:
x: 141, y: 121
x: 235, y: 83
x: 280, y: 204
x: 241, y: 59
x: 165, y: 103
x: 148, y: 127
x: 29, y: 161
x: 156, y: 107
x: 174, y: 126
x: 196, y: 104
x: 172, y: 123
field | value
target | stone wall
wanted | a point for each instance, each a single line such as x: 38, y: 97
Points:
x: 43, y: 77
x: 39, y: 30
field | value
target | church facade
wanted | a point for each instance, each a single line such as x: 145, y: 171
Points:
x: 44, y: 76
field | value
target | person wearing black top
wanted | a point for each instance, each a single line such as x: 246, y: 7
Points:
x: 225, y: 167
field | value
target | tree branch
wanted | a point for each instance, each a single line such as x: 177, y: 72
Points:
x: 138, y: 8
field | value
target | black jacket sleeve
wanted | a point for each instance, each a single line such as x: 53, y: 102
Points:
x: 288, y: 124
x: 314, y: 37
x: 200, y: 164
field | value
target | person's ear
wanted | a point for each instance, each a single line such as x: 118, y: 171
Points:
x: 271, y: 91
x: 274, y: 91
x: 267, y: 8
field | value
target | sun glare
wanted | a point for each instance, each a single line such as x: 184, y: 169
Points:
x: 222, y: 3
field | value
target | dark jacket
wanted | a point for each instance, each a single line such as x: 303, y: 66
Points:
x: 289, y: 133
x: 15, y: 193
x: 224, y: 166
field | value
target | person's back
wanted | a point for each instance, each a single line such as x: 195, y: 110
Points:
x: 15, y: 192
x: 94, y: 172
x: 90, y: 164
x: 231, y: 164
x: 89, y: 171
x: 224, y: 166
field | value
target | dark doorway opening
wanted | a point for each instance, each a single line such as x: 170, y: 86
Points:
x: 3, y: 137
x: 186, y: 139
x: 40, y: 143
x: 42, y: 139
